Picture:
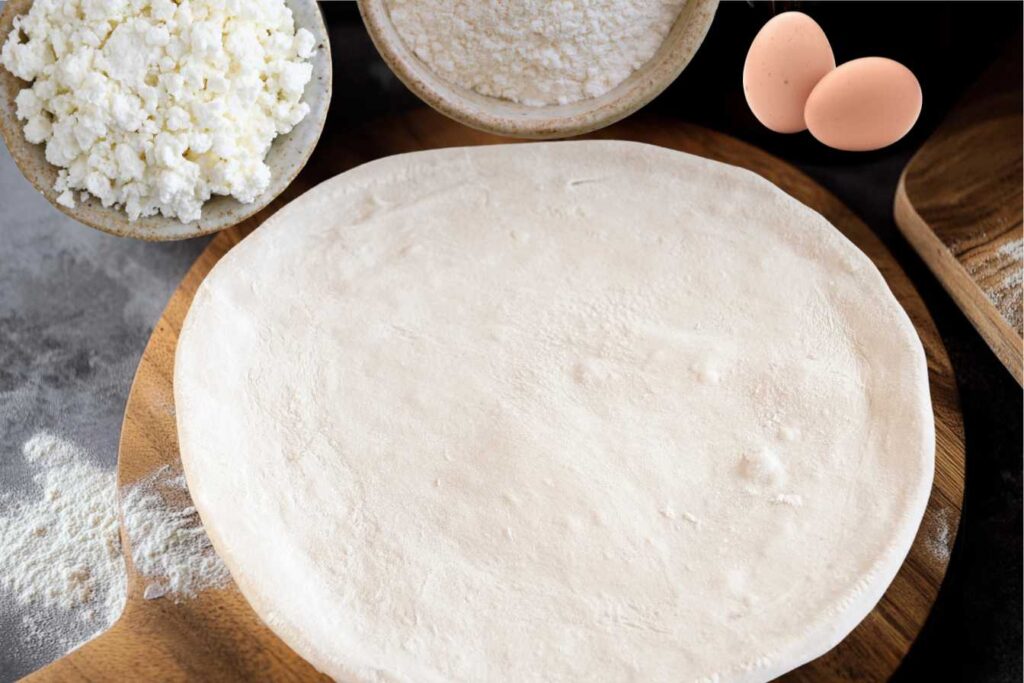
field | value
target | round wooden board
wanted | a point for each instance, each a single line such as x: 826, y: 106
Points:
x: 216, y: 636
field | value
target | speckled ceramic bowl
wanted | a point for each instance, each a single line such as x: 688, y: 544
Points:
x: 286, y: 157
x: 554, y: 121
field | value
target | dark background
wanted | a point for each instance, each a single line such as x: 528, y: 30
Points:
x: 974, y: 632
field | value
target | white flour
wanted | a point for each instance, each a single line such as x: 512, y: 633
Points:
x: 1013, y: 250
x: 535, y: 52
x: 61, y: 556
x: 61, y: 562
x: 1007, y: 295
x: 167, y: 539
x: 938, y: 539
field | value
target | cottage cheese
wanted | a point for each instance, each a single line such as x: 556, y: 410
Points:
x: 156, y: 105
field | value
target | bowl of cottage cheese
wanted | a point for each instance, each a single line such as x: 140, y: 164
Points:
x: 162, y: 120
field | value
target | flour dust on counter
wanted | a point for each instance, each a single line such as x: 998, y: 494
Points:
x: 62, y: 567
x: 62, y: 563
x: 1007, y: 295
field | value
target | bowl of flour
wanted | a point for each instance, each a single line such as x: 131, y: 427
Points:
x: 161, y: 120
x: 537, y: 69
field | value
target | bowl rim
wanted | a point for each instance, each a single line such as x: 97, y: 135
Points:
x: 113, y: 220
x: 503, y: 117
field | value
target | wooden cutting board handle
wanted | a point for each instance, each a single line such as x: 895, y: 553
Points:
x: 213, y: 637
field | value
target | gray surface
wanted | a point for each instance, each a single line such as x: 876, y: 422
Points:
x: 76, y: 309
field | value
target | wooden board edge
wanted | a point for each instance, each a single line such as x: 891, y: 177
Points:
x: 968, y: 295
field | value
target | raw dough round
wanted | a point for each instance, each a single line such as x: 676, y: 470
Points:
x: 554, y: 412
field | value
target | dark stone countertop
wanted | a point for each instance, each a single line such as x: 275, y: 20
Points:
x: 76, y: 306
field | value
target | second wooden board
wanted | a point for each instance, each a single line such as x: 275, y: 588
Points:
x: 959, y: 204
x: 217, y: 636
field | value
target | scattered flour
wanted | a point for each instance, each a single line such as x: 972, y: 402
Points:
x: 1008, y: 295
x: 61, y: 556
x: 167, y: 540
x: 1013, y: 250
x: 61, y: 562
x: 938, y: 541
x: 1000, y: 274
x: 535, y: 52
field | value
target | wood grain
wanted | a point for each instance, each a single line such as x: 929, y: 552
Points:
x: 960, y: 204
x: 218, y: 637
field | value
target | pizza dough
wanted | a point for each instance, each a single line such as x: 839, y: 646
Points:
x: 564, y: 411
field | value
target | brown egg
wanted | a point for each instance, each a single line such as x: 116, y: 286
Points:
x: 865, y: 104
x: 788, y: 57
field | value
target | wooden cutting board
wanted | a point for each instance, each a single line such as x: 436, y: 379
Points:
x: 216, y: 636
x: 959, y: 203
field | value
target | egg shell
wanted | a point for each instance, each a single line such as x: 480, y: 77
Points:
x: 865, y: 104
x: 788, y: 57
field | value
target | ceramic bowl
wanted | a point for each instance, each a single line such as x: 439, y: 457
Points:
x: 286, y: 157
x: 508, y: 118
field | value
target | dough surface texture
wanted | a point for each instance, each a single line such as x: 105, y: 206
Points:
x: 572, y: 411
